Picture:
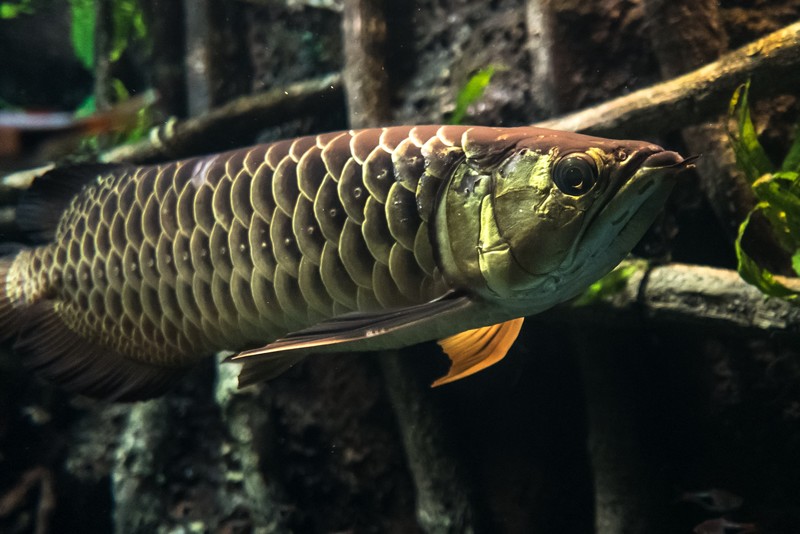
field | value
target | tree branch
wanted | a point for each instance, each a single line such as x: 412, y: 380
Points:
x: 234, y: 123
x: 774, y: 61
x: 684, y: 294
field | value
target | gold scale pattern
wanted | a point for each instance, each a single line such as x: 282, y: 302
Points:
x: 167, y: 263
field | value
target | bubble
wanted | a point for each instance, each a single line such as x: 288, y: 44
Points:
x: 167, y: 259
x: 223, y: 250
x: 287, y: 241
x: 133, y: 266
x: 185, y: 256
x: 357, y: 192
x: 263, y: 244
x: 381, y: 175
x: 333, y: 212
x: 310, y: 230
x: 242, y: 247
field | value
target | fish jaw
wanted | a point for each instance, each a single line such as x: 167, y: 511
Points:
x: 607, y: 237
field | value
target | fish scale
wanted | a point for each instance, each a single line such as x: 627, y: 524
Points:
x: 238, y: 248
x: 424, y: 232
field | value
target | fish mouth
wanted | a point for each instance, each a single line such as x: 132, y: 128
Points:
x: 620, y: 223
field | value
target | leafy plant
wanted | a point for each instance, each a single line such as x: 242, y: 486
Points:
x: 777, y: 191
x: 472, y: 91
x: 82, y: 30
x: 610, y: 284
x: 127, y: 24
x: 10, y: 10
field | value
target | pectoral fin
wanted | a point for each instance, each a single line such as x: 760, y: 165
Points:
x: 359, y: 326
x: 474, y: 350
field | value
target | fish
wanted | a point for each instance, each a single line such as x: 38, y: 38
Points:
x: 32, y: 138
x: 714, y: 500
x: 724, y: 526
x: 357, y: 240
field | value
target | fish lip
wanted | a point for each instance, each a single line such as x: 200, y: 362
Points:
x: 667, y: 159
x: 647, y: 169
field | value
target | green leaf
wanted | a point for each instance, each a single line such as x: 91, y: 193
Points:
x: 796, y: 261
x: 128, y: 24
x: 82, y: 31
x: 752, y: 273
x: 9, y: 10
x: 609, y: 285
x: 471, y: 92
x: 87, y: 107
x: 750, y: 155
x: 782, y: 206
x: 792, y: 161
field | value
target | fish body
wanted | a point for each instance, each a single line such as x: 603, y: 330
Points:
x: 354, y: 240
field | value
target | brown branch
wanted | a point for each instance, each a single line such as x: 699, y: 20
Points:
x: 15, y: 498
x: 365, y: 78
x: 234, y: 123
x: 706, y: 297
x: 773, y: 61
x: 444, y: 496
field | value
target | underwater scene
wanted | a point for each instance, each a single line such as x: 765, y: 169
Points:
x: 394, y: 266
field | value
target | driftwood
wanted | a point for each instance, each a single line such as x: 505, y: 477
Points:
x: 774, y: 62
x: 716, y: 300
x: 694, y: 97
x: 236, y: 122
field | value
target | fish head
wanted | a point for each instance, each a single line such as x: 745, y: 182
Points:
x: 559, y: 211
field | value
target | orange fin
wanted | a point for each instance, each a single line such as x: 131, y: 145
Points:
x: 474, y: 350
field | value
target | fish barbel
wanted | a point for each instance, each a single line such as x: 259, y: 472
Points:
x: 347, y: 241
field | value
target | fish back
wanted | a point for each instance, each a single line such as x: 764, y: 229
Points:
x: 161, y: 265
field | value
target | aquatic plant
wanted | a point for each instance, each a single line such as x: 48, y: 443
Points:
x: 777, y: 190
x: 471, y: 92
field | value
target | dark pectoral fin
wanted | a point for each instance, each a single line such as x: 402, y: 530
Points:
x: 358, y: 326
x: 474, y: 350
x: 255, y: 371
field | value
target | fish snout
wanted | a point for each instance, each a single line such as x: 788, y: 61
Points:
x: 666, y: 159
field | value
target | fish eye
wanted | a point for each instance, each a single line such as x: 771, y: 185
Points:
x: 575, y: 174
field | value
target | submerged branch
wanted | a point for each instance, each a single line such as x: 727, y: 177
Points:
x: 774, y: 61
x: 234, y: 123
x: 691, y: 295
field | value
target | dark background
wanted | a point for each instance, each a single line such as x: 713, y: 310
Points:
x: 580, y: 429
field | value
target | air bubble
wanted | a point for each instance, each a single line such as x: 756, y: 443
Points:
x: 333, y: 212
x: 223, y: 250
x: 381, y: 175
x: 287, y: 241
x: 357, y: 192
x: 133, y: 266
x: 310, y: 230
x: 263, y: 244
x: 185, y: 256
x: 242, y: 247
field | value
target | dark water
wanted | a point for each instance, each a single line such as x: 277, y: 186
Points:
x: 588, y: 425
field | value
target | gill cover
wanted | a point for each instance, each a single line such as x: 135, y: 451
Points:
x: 512, y: 212
x: 519, y: 208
